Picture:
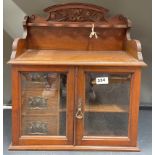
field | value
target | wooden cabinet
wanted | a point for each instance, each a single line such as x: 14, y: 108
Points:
x: 75, y: 81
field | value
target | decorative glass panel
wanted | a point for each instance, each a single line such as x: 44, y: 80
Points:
x: 107, y: 104
x: 43, y: 103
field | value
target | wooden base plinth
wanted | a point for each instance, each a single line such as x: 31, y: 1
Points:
x: 72, y: 148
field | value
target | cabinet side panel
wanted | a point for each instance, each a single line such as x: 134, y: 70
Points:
x: 15, y: 107
x: 135, y: 97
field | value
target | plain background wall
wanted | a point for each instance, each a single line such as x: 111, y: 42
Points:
x: 139, y: 11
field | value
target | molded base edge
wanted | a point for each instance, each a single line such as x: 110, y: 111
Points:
x: 72, y: 148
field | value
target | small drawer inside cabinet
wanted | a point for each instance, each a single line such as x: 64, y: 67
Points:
x: 40, y: 102
x: 40, y: 125
x: 40, y: 81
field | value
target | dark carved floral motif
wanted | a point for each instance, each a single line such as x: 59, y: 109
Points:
x: 37, y: 102
x: 47, y: 78
x: 38, y: 77
x: 76, y: 15
x: 37, y: 127
x: 79, y: 13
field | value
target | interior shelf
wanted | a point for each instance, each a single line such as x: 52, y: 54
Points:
x: 103, y: 108
x: 106, y: 108
x: 38, y: 114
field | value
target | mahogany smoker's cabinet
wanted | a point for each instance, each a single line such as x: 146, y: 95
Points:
x: 75, y: 81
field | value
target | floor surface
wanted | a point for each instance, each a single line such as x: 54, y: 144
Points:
x: 145, y: 139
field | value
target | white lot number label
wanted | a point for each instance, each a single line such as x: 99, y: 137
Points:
x: 102, y: 80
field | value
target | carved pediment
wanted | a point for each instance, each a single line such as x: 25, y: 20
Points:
x: 77, y: 13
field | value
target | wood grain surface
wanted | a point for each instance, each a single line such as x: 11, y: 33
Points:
x: 53, y: 57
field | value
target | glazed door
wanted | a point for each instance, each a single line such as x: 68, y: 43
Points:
x: 107, y: 106
x: 46, y: 97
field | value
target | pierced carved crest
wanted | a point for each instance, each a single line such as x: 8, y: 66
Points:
x: 78, y: 12
x: 76, y: 15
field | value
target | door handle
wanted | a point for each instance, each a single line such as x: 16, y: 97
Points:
x: 79, y: 113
